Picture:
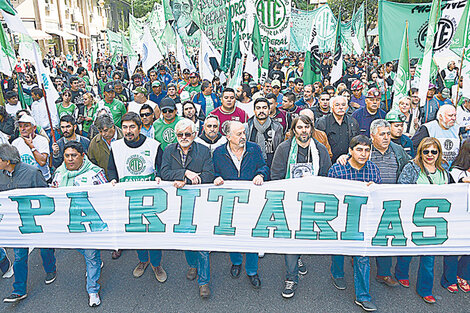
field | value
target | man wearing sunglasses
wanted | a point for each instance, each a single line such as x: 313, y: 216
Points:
x: 165, y: 125
x: 366, y: 115
x: 189, y: 162
x: 147, y: 116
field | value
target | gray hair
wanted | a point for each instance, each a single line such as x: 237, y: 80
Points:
x: 185, y: 123
x: 378, y: 123
x: 229, y: 125
x: 104, y: 121
x: 9, y: 153
x: 444, y: 109
x: 336, y: 99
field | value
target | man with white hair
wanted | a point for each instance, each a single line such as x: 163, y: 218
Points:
x: 189, y: 162
x: 445, y: 130
x: 210, y: 136
x: 339, y: 127
x: 241, y: 160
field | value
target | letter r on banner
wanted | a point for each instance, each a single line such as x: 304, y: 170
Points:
x: 27, y: 212
x: 137, y: 210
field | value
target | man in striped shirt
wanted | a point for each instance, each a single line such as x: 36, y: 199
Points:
x: 357, y: 168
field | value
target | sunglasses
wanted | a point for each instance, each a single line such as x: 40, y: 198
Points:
x: 433, y: 152
x: 168, y: 110
x: 181, y: 135
x: 145, y: 114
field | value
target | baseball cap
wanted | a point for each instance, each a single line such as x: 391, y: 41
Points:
x: 167, y: 103
x: 276, y: 83
x: 109, y: 87
x: 156, y: 83
x: 193, y: 74
x: 395, y: 116
x: 186, y: 71
x: 373, y: 93
x: 253, y: 84
x: 25, y: 118
x: 356, y: 85
x: 445, y: 93
x: 141, y: 89
x: 292, y: 79
x: 171, y: 85
x: 432, y: 86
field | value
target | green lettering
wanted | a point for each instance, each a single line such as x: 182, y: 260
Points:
x: 81, y: 211
x: 137, y: 210
x: 390, y: 226
x: 439, y: 223
x: 273, y: 215
x: 27, y: 212
x: 226, y: 207
x: 353, y: 217
x: 188, y: 201
x: 308, y: 216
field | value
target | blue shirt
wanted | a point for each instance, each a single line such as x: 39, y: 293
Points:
x: 368, y: 173
x: 361, y: 100
x: 364, y: 118
x: 157, y: 99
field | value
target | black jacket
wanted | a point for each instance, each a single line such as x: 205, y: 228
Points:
x: 24, y: 176
x: 199, y: 160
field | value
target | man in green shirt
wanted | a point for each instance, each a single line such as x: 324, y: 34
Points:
x: 165, y: 125
x: 116, y: 107
x: 194, y: 86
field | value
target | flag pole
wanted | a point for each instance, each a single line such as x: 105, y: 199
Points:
x: 385, y: 87
x: 460, y: 75
x: 48, y: 113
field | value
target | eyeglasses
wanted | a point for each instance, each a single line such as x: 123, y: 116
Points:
x: 168, y: 111
x: 181, y: 135
x: 433, y: 152
x: 145, y: 114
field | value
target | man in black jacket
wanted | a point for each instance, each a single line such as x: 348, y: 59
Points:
x: 189, y: 162
x: 302, y: 156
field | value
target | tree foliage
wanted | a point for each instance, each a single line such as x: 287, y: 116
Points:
x: 143, y: 7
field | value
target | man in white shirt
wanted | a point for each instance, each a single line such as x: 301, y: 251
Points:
x: 12, y: 105
x: 244, y: 100
x: 39, y: 111
x: 33, y: 148
x: 140, y: 98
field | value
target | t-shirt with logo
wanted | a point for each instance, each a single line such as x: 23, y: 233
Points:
x: 77, y: 97
x: 42, y: 145
x: 165, y: 133
x: 117, y: 109
x: 70, y: 110
x: 237, y: 115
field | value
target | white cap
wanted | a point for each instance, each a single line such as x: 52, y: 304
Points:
x: 25, y: 118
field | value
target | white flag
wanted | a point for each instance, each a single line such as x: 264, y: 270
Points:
x: 337, y: 70
x: 206, y: 52
x: 14, y: 23
x: 252, y: 65
x: 150, y: 53
x: 182, y: 57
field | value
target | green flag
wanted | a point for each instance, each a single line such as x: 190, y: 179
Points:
x: 7, y: 54
x: 6, y: 6
x: 227, y: 48
x: 461, y: 37
x: 307, y: 74
x: 400, y: 84
x: 236, y: 54
x: 434, y: 17
x: 237, y: 75
x: 265, y: 65
x: 256, y: 39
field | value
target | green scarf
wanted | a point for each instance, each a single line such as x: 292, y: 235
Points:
x: 68, y: 177
x: 293, y: 156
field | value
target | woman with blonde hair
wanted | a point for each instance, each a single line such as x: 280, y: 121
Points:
x: 425, y: 168
x: 89, y: 113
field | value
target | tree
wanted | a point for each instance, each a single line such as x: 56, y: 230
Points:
x: 142, y: 7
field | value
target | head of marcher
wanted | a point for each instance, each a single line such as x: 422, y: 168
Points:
x: 228, y: 99
x: 288, y: 101
x: 146, y: 115
x: 261, y: 109
x: 396, y: 120
x: 373, y: 100
x: 68, y: 126
x: 236, y: 135
x: 131, y: 125
x: 339, y: 106
x: 267, y: 88
x: 308, y: 93
x: 429, y: 154
x: 27, y: 126
x: 185, y: 131
x: 11, y: 97
x: 359, y: 149
x: 276, y: 87
x: 106, y: 127
x: 36, y: 93
x: 140, y: 94
x: 431, y: 91
x: 356, y: 87
x: 324, y: 101
x: 206, y: 87
x: 189, y: 110
x: 168, y: 109
x: 73, y: 155
x: 211, y: 126
x: 302, y: 127
x: 380, y: 134
x: 157, y: 87
x: 9, y: 157
x: 109, y: 93
x: 446, y: 116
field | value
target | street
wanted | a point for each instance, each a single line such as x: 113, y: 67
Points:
x: 121, y: 292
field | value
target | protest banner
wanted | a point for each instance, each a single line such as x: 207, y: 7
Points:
x: 310, y: 215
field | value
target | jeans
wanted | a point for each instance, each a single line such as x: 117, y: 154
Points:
x: 384, y: 264
x: 361, y: 274
x: 155, y: 256
x: 453, y: 267
x: 93, y: 269
x: 4, y: 264
x: 292, y: 267
x: 251, y: 263
x: 20, y: 267
x: 425, y: 273
x: 201, y: 261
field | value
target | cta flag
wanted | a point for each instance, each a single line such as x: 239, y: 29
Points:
x: 400, y: 84
x: 150, y: 53
x: 434, y: 17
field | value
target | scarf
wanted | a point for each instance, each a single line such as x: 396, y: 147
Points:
x: 260, y: 138
x: 292, y: 159
x: 68, y: 177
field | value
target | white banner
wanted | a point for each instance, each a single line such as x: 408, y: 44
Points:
x: 307, y: 216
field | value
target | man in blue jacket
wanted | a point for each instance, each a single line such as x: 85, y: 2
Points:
x: 207, y: 100
x: 240, y: 160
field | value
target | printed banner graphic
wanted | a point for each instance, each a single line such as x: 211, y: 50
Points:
x: 303, y: 216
